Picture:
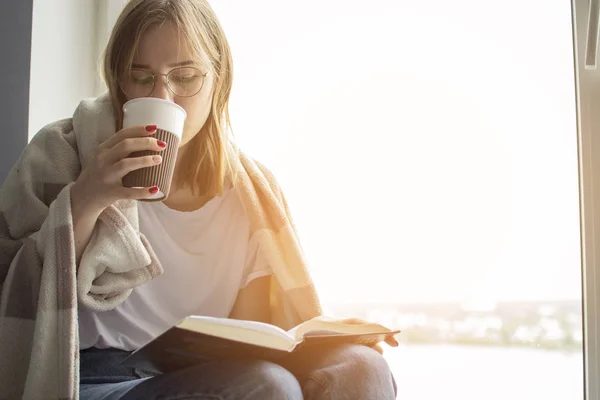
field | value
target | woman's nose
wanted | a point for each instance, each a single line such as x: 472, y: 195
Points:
x: 161, y: 89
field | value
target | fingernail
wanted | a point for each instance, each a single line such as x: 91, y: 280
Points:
x: 154, y: 190
x: 157, y: 158
x: 150, y: 128
x: 161, y: 144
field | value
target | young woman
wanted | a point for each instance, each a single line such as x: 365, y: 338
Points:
x: 213, y: 264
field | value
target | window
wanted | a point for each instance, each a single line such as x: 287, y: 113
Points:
x: 429, y: 154
x: 428, y: 151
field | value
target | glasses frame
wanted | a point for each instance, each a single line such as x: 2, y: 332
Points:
x: 167, y: 81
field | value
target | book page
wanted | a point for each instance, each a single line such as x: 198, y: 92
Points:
x: 323, y: 325
x: 252, y: 332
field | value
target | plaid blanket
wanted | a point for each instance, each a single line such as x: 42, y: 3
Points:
x: 41, y: 285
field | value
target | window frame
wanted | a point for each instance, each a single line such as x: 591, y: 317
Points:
x: 587, y: 89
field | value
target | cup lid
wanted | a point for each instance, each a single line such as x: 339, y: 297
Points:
x: 135, y: 101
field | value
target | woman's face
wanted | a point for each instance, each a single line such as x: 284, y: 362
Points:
x: 160, y: 52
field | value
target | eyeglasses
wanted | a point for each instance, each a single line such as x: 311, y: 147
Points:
x: 182, y: 82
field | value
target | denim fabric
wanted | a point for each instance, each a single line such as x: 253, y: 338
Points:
x: 345, y: 372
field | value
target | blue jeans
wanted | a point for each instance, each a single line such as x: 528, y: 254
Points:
x: 350, y: 372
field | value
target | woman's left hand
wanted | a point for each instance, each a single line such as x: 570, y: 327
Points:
x: 390, y: 340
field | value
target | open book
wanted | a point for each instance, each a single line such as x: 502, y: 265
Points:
x: 196, y: 339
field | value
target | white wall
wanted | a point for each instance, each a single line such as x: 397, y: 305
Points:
x: 107, y: 12
x: 65, y: 58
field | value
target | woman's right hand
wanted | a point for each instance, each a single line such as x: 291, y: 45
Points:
x: 100, y: 184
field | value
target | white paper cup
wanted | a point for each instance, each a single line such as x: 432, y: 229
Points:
x: 169, y: 119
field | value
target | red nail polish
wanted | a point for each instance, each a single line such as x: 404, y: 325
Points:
x: 154, y: 190
x: 161, y: 144
x: 150, y: 128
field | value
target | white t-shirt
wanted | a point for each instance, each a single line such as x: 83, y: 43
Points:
x: 207, y: 256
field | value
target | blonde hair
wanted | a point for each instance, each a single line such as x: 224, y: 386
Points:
x: 209, y: 156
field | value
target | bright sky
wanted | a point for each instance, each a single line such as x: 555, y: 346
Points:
x: 427, y: 148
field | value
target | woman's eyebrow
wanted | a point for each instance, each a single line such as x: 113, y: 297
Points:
x: 177, y: 64
x: 182, y: 63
